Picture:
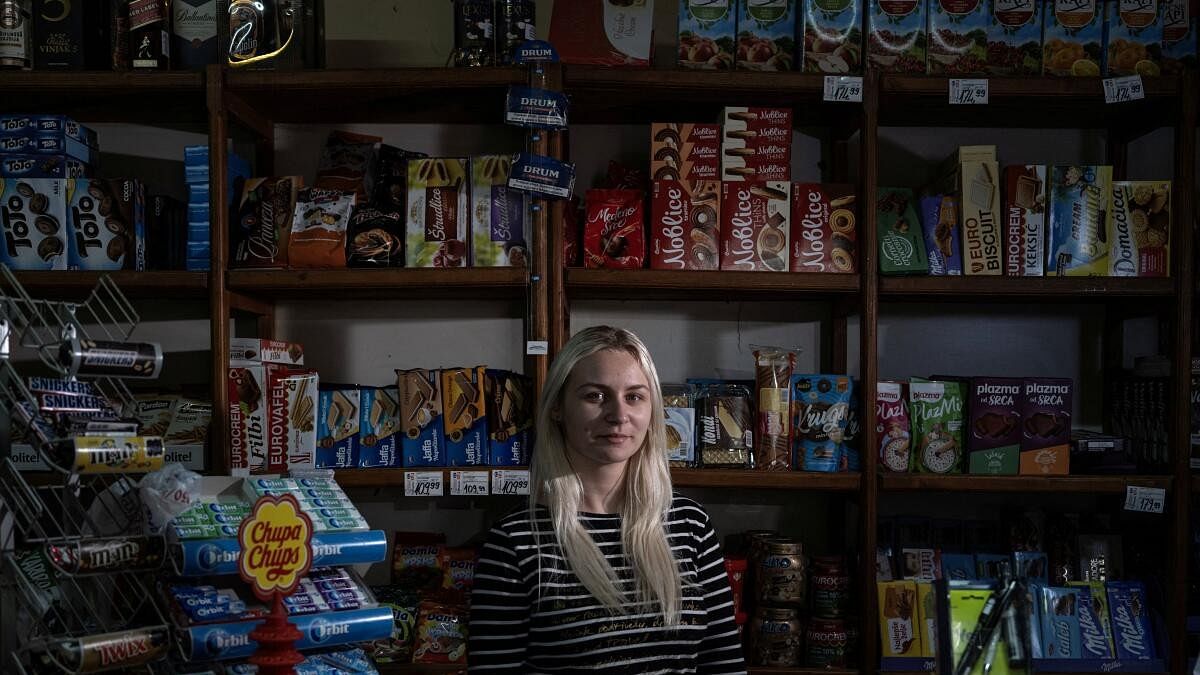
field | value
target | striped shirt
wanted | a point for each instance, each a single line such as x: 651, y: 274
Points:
x: 568, y: 630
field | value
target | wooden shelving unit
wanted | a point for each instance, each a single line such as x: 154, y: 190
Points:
x: 464, y: 283
x: 1096, y: 485
x: 667, y: 284
x: 1024, y: 289
x: 163, y: 285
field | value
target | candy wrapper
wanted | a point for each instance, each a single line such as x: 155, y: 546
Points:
x: 169, y: 492
x: 614, y: 234
x: 441, y: 634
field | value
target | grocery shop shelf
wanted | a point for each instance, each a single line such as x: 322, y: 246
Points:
x: 168, y: 98
x: 908, y: 482
x: 975, y: 288
x: 70, y: 285
x: 382, y: 478
x: 767, y: 480
x: 461, y: 283
x: 641, y: 284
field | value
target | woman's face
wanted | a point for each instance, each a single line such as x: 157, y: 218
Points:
x: 605, y: 409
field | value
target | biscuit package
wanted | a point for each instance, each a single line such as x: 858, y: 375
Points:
x: 755, y: 226
x: 757, y: 144
x: 375, y: 238
x: 824, y: 228
x: 726, y: 427
x: 438, y: 213
x: 420, y: 418
x: 892, y: 426
x: 1077, y: 242
x: 1073, y: 42
x: 36, y: 226
x: 107, y: 224
x: 464, y: 419
x: 974, y: 175
x: 685, y: 225
x: 499, y: 236
x: 901, y: 243
x: 939, y: 222
x: 937, y: 421
x: 250, y: 360
x: 338, y: 418
x: 1024, y: 220
x: 292, y: 398
x: 319, y: 227
x: 510, y: 418
x: 1139, y: 229
x: 263, y: 229
x: 899, y: 622
x: 1046, y: 426
x: 379, y: 427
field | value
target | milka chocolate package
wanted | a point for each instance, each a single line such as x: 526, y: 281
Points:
x: 1046, y: 426
x: 995, y: 416
x: 754, y: 226
x: 685, y: 225
x: 1130, y: 613
x: 1095, y: 627
x: 939, y: 222
x: 824, y: 228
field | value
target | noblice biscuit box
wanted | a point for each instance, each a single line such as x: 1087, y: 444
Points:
x: 757, y: 144
x: 832, y: 37
x: 1077, y: 242
x: 1135, y: 38
x: 958, y: 37
x: 685, y: 151
x: 1139, y: 229
x: 1015, y: 37
x: 464, y: 416
x: 36, y: 225
x: 421, y: 418
x: 755, y: 226
x: 1024, y: 220
x: 1181, y: 24
x: 707, y: 34
x: 685, y: 225
x: 766, y: 38
x: 824, y: 228
x: 1046, y: 426
x: 896, y: 35
x: 379, y: 427
x: 1073, y: 40
x: 108, y: 225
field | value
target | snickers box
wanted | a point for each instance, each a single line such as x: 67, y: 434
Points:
x: 379, y: 427
x: 757, y: 144
x: 690, y: 152
x: 1024, y: 220
x: 510, y: 418
x: 685, y: 224
x: 338, y: 418
x: 464, y: 418
x: 421, y: 418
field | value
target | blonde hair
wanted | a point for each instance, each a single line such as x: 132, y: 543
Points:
x: 647, y: 488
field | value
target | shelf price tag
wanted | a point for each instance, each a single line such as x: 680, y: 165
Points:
x: 968, y: 92
x: 537, y: 348
x: 468, y: 483
x: 423, y: 484
x: 510, y: 482
x: 843, y: 88
x: 1145, y: 499
x: 1121, y: 89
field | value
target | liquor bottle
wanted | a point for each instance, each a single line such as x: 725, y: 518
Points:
x: 16, y: 33
x: 149, y: 34
x: 194, y: 26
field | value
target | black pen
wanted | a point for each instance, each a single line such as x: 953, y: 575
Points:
x: 989, y: 620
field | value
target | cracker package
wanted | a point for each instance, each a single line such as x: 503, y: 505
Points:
x: 1061, y: 637
x: 319, y: 225
x: 438, y: 213
x: 379, y: 427
x: 766, y: 34
x: 189, y: 423
x: 1024, y: 220
x: 464, y: 418
x: 614, y: 234
x: 937, y: 420
x: 1046, y: 424
x: 994, y: 428
x: 347, y: 164
x: 106, y: 224
x: 510, y: 418
x: 958, y: 37
x: 375, y: 238
x: 896, y: 37
x: 939, y: 222
x: 338, y: 418
x: 892, y: 426
x: 36, y: 226
x: 1077, y: 239
x: 832, y: 36
x: 726, y: 427
x: 1073, y: 42
x: 972, y: 173
x: 1139, y: 229
x: 680, y: 412
x: 901, y: 244
x: 689, y: 152
x: 1015, y: 37
x: 707, y: 31
x: 755, y: 226
x: 1135, y: 38
x: 154, y: 413
x: 899, y: 623
x: 1181, y: 24
x: 259, y: 237
x: 820, y: 410
x: 824, y: 228
x: 291, y: 419
x: 772, y: 376
x: 499, y: 215
x: 420, y: 417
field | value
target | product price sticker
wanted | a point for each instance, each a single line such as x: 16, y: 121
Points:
x: 468, y: 483
x: 1122, y: 89
x: 510, y: 482
x: 1145, y: 499
x: 968, y: 92
x: 423, y: 484
x: 843, y: 88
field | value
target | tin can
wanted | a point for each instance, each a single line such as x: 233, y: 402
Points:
x: 782, y: 575
x: 16, y: 33
x: 100, y: 358
x: 830, y: 587
x: 775, y: 637
x: 826, y: 642
x: 474, y: 33
x: 516, y: 21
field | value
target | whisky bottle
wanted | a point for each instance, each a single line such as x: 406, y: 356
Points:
x: 16, y: 33
x: 150, y: 34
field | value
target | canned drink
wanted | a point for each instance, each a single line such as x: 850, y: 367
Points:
x: 826, y: 643
x: 102, y: 358
x: 474, y: 33
x: 782, y: 576
x: 516, y: 22
x: 775, y: 637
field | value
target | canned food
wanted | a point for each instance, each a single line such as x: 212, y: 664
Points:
x: 830, y: 592
x: 826, y: 643
x: 775, y: 637
x: 782, y: 577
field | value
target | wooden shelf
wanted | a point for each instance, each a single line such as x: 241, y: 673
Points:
x: 394, y: 477
x: 399, y: 283
x: 766, y: 480
x: 166, y: 98
x: 422, y: 669
x: 705, y: 285
x: 963, y: 483
x: 1069, y: 289
x: 73, y: 285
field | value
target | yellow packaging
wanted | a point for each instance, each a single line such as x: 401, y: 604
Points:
x: 117, y: 454
x: 974, y: 175
x: 927, y: 615
x: 899, y: 616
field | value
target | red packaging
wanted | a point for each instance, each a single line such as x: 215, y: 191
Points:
x: 602, y: 32
x: 754, y: 226
x: 614, y: 234
x: 824, y: 228
x: 736, y: 569
x: 892, y: 426
x: 757, y: 144
x: 685, y: 225
x: 685, y: 151
x: 570, y: 225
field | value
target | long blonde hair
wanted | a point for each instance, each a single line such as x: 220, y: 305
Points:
x: 647, y: 487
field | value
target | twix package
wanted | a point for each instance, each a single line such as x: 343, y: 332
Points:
x: 754, y: 226
x: 685, y: 151
x: 1024, y: 220
x: 685, y: 225
x: 420, y: 417
x: 292, y: 399
x: 824, y: 228
x: 464, y: 421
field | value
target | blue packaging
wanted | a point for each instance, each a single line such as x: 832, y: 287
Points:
x: 820, y: 407
x: 49, y: 125
x: 315, y: 494
x: 337, y: 427
x: 220, y: 556
x: 26, y: 246
x: 540, y: 175
x: 338, y: 584
x: 991, y: 566
x: 317, y: 484
x: 349, y: 595
x: 221, y: 641
x: 420, y: 414
x: 199, y: 194
x: 199, y: 213
x: 352, y: 660
x: 1130, y: 615
x: 379, y: 422
x: 32, y: 165
x: 1094, y: 626
x: 535, y: 108
x: 243, y: 508
x: 959, y: 567
x: 195, y: 155
x: 53, y: 145
x: 939, y: 222
x: 1061, y: 637
x: 510, y: 418
x: 464, y: 418
x: 226, y: 641
x: 1032, y: 566
x: 229, y: 611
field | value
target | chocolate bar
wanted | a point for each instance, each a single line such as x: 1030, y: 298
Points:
x: 1132, y: 635
x: 1061, y: 636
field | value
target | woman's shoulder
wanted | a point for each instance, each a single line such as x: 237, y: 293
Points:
x: 519, y: 520
x: 686, y: 508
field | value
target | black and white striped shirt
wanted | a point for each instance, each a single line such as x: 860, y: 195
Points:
x: 568, y: 630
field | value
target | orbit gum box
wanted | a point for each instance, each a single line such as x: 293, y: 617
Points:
x: 1076, y: 237
x: 379, y: 427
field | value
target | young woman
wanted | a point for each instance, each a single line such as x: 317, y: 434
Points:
x: 606, y: 570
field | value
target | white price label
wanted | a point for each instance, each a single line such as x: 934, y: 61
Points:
x: 468, y: 483
x: 423, y: 484
x: 843, y: 88
x: 968, y: 92
x: 1121, y: 89
x: 510, y: 482
x: 537, y: 347
x: 1145, y: 499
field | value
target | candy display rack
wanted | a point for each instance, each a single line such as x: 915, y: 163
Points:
x: 73, y: 552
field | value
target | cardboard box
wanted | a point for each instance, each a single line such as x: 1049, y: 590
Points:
x: 824, y: 228
x: 464, y: 419
x: 1079, y: 199
x: 899, y: 619
x: 1073, y: 41
x: 958, y: 42
x: 685, y: 225
x: 50, y: 144
x: 927, y: 618
x: 291, y: 418
x: 43, y: 166
x: 1061, y: 637
x: 1139, y: 229
x: 994, y: 428
x: 974, y: 175
x: 48, y: 125
x: 893, y: 426
x: 260, y: 235
x: 379, y: 427
x: 420, y: 418
x: 338, y: 419
x: 1046, y: 427
x: 510, y: 418
x: 685, y: 151
x: 1134, y: 38
x: 707, y: 34
x: 438, y: 216
x: 832, y: 36
x: 937, y: 421
x: 1181, y: 24
x: 1015, y: 37
x: 499, y: 215
x: 755, y: 227
x: 36, y: 225
x: 901, y: 244
x: 1024, y: 220
x: 604, y: 33
x: 107, y: 225
x: 939, y: 223
x: 250, y: 359
x: 896, y: 38
x: 766, y: 34
x: 757, y: 144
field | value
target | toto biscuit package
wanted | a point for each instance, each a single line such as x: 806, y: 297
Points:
x: 107, y: 225
x: 34, y: 213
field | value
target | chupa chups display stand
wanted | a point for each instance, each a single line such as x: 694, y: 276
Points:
x: 76, y: 557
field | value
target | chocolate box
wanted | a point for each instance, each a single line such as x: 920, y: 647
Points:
x: 994, y: 425
x: 707, y: 34
x: 1073, y: 38
x: 107, y: 225
x: 420, y: 418
x: 1015, y: 37
x: 1077, y: 244
x: 338, y: 419
x: 754, y: 226
x: 499, y: 222
x: 43, y: 166
x: 264, y: 222
x: 832, y: 36
x: 36, y: 223
x: 685, y: 225
x: 379, y: 427
x: 438, y: 213
x: 958, y: 41
x: 1139, y: 229
x: 937, y: 422
x: 1095, y: 627
x: 892, y: 426
x: 250, y: 359
x: 1135, y: 38
x: 973, y: 174
x: 604, y: 33
x: 757, y: 144
x: 1061, y: 637
x: 1181, y: 23
x: 824, y: 228
x: 614, y: 234
x: 896, y: 37
x: 464, y: 418
x: 1024, y: 220
x: 899, y: 621
x: 901, y: 244
x: 939, y: 223
x: 766, y: 38
x: 292, y: 398
x: 685, y: 151
x: 510, y: 418
x: 1046, y: 426
x: 1130, y: 613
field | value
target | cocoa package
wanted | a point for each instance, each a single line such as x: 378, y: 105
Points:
x: 264, y: 221
x: 614, y: 233
x: 685, y: 225
x: 994, y: 429
x: 438, y: 213
x: 901, y: 244
x: 937, y: 421
x: 685, y: 151
x: 824, y: 228
x: 757, y: 144
x: 1046, y: 426
x: 1024, y: 220
x: 754, y: 226
x: 892, y: 426
x: 319, y: 226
